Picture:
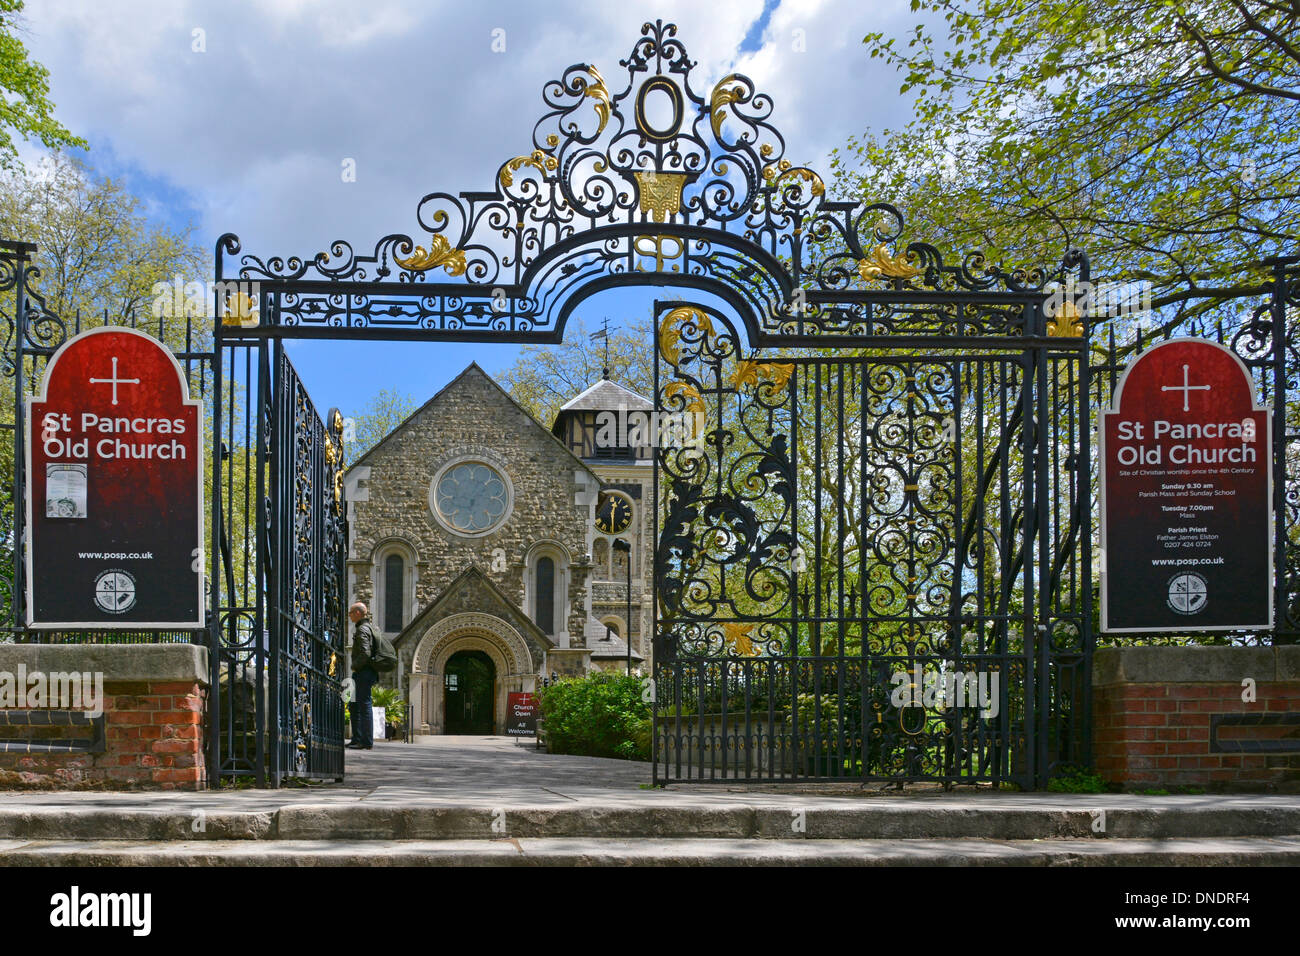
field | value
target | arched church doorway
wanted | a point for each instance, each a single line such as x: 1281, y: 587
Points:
x: 470, y: 680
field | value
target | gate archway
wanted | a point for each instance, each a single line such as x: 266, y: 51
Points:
x: 975, y: 523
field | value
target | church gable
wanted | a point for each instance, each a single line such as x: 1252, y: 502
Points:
x: 471, y: 480
x: 473, y: 593
x: 473, y: 394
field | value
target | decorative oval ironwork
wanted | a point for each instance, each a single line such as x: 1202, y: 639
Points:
x: 643, y: 125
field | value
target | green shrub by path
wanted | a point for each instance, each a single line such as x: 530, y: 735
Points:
x: 391, y: 700
x: 599, y: 715
x: 1069, y: 779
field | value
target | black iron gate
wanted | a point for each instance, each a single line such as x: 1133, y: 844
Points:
x: 279, y: 622
x: 868, y: 564
x: 875, y: 554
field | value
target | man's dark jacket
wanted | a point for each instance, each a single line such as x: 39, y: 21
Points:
x: 363, y: 645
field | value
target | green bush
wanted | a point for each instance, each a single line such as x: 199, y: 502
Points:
x: 388, y: 698
x: 1076, y: 780
x: 600, y: 715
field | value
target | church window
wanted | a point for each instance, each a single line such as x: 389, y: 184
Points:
x: 545, y: 591
x: 394, y: 586
x: 470, y: 498
x: 392, y: 580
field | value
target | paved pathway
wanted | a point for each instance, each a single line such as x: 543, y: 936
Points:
x: 503, y: 772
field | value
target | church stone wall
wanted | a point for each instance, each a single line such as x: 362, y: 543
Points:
x: 553, y: 497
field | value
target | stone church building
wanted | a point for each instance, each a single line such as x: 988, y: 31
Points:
x: 493, y: 551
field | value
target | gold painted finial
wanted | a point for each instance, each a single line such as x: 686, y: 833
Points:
x: 1067, y: 322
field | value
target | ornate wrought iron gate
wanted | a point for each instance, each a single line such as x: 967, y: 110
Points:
x: 874, y: 556
x: 868, y: 564
x: 279, y: 622
x: 785, y: 608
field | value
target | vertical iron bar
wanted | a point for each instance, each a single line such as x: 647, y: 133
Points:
x: 18, y: 597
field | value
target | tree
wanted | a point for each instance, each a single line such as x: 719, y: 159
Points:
x: 97, y: 250
x: 25, y: 108
x: 385, y: 412
x: 544, y: 377
x: 1158, y: 135
x: 96, y: 255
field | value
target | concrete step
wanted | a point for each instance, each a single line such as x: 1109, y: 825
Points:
x: 596, y: 821
x: 527, y: 851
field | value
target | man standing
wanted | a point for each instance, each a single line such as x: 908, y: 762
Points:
x: 364, y: 676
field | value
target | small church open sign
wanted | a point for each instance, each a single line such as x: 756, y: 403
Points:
x: 1186, y: 507
x: 521, y: 715
x: 114, y: 458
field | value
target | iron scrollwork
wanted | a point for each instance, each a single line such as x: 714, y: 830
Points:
x: 607, y: 184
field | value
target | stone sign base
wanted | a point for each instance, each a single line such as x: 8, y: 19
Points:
x: 148, y: 736
x: 1179, y: 717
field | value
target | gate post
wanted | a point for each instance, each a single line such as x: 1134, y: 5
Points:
x: 1043, y: 426
x: 18, y: 255
x: 1286, y: 273
x: 216, y: 527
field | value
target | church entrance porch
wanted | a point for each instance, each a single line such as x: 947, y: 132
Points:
x: 469, y: 686
x: 462, y: 670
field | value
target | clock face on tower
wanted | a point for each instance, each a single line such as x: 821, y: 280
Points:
x: 613, y: 514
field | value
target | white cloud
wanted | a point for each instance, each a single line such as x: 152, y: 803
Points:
x: 256, y: 127
x: 252, y: 132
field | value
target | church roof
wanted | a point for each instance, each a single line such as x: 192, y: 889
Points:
x: 471, y: 369
x: 472, y: 590
x: 604, y: 643
x: 606, y: 395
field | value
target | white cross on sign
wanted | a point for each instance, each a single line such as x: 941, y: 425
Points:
x: 1184, y: 388
x: 115, y: 381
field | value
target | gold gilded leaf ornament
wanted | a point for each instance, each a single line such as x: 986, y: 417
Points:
x: 670, y: 331
x: 736, y: 636
x: 599, y: 92
x: 694, y: 401
x: 723, y: 95
x: 440, y: 253
x: 240, y: 310
x: 751, y: 371
x: 880, y: 264
x: 1066, y: 322
x: 542, y: 162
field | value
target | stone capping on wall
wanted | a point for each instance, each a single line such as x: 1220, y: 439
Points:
x: 161, y: 663
x: 1194, y: 665
x: 1179, y: 716
x: 154, y: 705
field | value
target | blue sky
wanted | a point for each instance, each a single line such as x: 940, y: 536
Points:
x: 247, y: 134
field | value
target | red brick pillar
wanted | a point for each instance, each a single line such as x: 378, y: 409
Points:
x: 1211, y: 718
x: 148, y: 734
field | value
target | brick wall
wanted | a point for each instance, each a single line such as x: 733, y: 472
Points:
x: 153, y: 727
x: 1174, y: 717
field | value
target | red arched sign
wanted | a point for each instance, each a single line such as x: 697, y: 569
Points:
x: 1186, y: 508
x: 114, y: 488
